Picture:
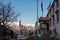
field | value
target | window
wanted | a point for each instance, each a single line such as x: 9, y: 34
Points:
x: 57, y: 16
x: 50, y: 18
x: 53, y: 15
x: 53, y: 20
x: 53, y: 9
x: 57, y: 4
x: 50, y: 22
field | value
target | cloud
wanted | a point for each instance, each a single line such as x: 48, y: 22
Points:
x: 30, y: 25
x: 16, y: 23
x: 26, y: 21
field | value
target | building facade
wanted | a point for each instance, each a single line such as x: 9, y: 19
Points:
x: 54, y: 15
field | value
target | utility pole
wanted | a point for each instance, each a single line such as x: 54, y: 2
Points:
x: 37, y: 17
x: 3, y: 14
x: 37, y: 9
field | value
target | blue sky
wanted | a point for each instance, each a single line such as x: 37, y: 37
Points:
x: 27, y: 8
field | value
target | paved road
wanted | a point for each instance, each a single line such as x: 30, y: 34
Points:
x: 35, y: 38
x: 13, y: 39
x: 41, y: 38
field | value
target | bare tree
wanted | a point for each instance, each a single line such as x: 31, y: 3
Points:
x: 7, y: 14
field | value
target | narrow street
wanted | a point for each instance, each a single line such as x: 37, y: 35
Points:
x: 37, y: 38
x: 29, y: 19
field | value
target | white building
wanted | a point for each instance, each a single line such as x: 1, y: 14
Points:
x: 54, y: 15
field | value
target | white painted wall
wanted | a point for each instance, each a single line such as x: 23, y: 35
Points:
x: 56, y: 25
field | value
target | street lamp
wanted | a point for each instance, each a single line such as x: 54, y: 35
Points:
x: 37, y: 18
